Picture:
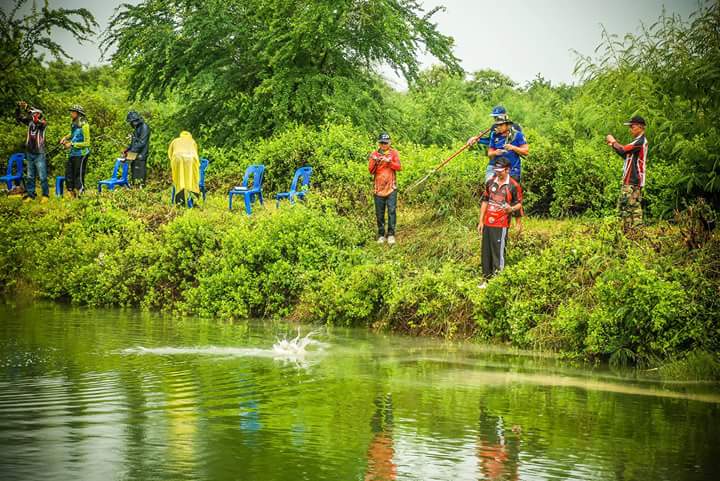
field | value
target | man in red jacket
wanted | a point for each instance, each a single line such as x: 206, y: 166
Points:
x: 501, y: 200
x: 383, y: 165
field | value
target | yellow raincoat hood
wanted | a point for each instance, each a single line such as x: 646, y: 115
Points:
x: 185, y: 163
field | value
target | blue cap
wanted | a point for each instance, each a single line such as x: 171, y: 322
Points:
x: 383, y: 138
x: 498, y: 110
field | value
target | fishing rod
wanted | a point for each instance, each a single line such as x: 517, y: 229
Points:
x: 444, y: 163
x: 59, y: 148
x: 111, y: 139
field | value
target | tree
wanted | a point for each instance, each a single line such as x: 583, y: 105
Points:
x: 435, y: 109
x: 257, y: 65
x: 484, y: 83
x: 22, y: 39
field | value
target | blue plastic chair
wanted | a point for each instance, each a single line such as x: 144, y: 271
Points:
x: 59, y: 185
x: 16, y: 160
x: 204, y: 164
x: 249, y: 193
x: 303, y: 175
x: 115, y: 181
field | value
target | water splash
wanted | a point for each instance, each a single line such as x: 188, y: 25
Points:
x: 298, y: 346
x: 198, y: 351
x: 295, y: 350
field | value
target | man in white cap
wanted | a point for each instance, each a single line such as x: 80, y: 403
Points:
x: 501, y: 200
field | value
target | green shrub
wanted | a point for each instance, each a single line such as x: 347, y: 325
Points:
x: 439, y: 303
x: 527, y: 295
x: 638, y: 314
x: 568, y: 329
x: 265, y: 262
x: 538, y: 173
x: 351, y: 296
x: 587, y: 180
x: 175, y: 267
x: 660, y: 194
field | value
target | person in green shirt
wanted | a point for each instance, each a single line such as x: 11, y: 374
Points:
x: 78, y: 141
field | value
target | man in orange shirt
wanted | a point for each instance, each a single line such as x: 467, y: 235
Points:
x: 383, y: 165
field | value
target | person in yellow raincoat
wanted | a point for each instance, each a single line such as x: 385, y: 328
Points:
x: 185, y: 166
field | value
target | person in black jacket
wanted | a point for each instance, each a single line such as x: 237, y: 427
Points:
x: 137, y: 152
x: 34, y: 149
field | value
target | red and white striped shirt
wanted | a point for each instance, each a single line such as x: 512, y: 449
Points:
x: 635, y: 154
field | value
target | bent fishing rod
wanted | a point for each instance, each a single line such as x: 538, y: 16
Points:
x: 60, y: 146
x: 444, y: 163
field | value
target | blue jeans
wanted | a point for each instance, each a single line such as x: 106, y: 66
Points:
x: 37, y: 167
x: 388, y: 203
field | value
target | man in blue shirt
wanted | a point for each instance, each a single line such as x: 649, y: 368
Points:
x: 506, y: 140
x: 497, y: 113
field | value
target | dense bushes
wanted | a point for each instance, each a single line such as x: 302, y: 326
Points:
x: 604, y: 296
x: 637, y: 312
x: 211, y: 262
x: 351, y: 296
x: 263, y: 265
x: 433, y: 302
x: 579, y: 288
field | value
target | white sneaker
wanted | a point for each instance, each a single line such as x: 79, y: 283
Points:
x: 381, y: 240
x: 391, y: 240
x: 483, y: 285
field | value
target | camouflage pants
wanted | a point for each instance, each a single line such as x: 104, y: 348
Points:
x: 630, y: 206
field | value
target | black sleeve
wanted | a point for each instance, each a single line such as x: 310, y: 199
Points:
x: 516, y: 197
x: 515, y: 194
x: 139, y: 141
x: 21, y: 118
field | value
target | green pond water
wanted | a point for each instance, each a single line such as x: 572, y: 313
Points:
x: 119, y: 395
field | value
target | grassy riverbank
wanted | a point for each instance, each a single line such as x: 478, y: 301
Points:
x: 578, y: 287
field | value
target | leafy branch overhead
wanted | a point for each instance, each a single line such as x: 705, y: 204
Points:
x: 271, y: 62
x: 23, y: 38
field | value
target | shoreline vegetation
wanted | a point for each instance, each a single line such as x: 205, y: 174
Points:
x: 574, y: 284
x: 577, y: 287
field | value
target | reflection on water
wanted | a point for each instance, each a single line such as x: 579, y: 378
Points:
x: 381, y: 452
x: 95, y: 394
x: 498, y: 448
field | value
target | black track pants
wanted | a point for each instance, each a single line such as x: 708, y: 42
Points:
x: 75, y: 169
x: 494, y: 240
